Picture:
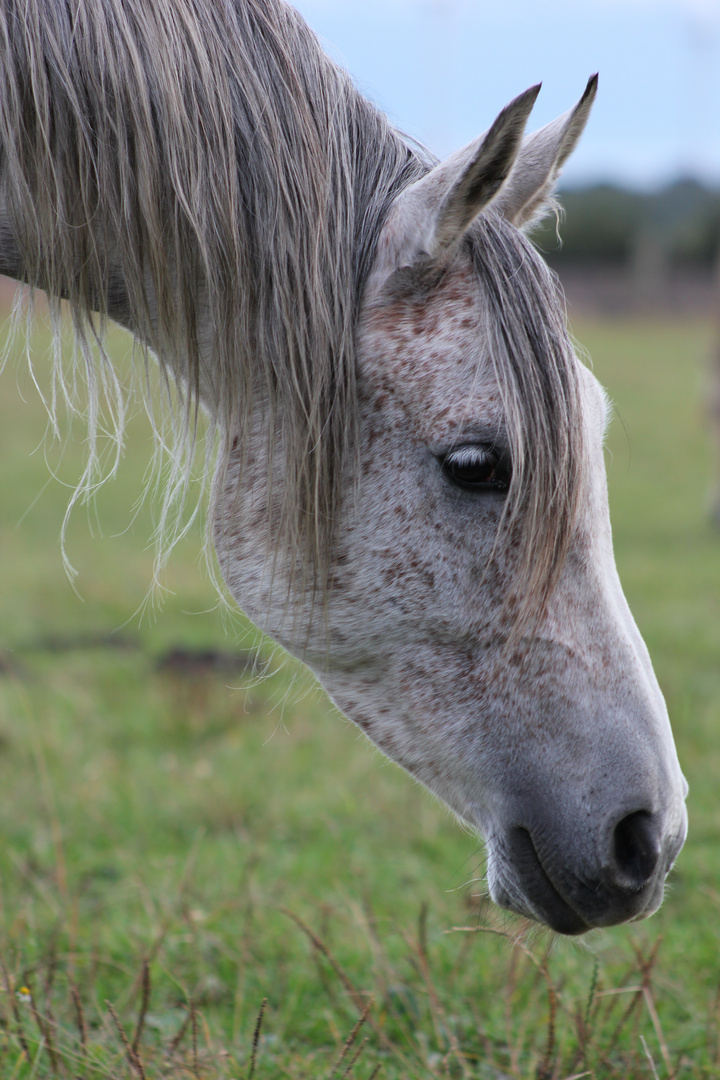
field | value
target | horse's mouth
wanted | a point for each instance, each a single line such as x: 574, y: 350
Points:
x: 521, y: 884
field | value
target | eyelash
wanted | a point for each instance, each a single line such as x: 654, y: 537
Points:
x: 477, y: 467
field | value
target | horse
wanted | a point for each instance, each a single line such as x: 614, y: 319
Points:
x: 409, y: 491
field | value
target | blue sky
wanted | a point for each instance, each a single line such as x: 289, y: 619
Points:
x: 442, y: 69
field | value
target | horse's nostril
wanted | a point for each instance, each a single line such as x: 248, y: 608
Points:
x: 636, y: 849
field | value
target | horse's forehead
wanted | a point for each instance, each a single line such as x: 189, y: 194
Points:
x: 425, y: 354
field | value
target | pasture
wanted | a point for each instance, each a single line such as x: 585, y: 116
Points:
x: 182, y: 840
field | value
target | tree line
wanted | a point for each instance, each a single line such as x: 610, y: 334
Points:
x: 607, y: 224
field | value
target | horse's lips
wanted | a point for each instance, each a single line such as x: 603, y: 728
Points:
x: 521, y: 884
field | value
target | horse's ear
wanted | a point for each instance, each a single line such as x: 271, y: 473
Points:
x: 528, y: 193
x: 429, y: 217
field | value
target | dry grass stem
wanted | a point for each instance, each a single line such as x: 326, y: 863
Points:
x: 133, y: 1057
x: 357, y: 996
x: 623, y: 1021
x: 649, y: 1001
x: 354, y: 1059
x: 713, y: 1028
x: 182, y: 1031
x: 144, y: 1003
x: 440, y: 1021
x: 422, y: 929
x: 79, y: 1018
x: 648, y: 1055
x: 20, y: 1031
x: 43, y: 1027
x: 194, y: 1026
x: 256, y: 1038
x: 545, y: 1070
x: 349, y: 1042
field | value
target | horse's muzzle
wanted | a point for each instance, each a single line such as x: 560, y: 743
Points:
x: 537, y: 874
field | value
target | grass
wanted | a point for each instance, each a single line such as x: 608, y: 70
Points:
x: 182, y: 841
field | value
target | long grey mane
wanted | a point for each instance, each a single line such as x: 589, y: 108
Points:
x: 202, y: 172
x: 212, y: 167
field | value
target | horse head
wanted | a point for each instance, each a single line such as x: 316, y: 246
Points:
x: 474, y: 626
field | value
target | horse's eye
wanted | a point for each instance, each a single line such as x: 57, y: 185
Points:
x: 477, y: 468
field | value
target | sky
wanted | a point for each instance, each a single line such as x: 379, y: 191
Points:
x: 443, y: 69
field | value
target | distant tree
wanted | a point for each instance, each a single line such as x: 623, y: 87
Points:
x: 607, y: 225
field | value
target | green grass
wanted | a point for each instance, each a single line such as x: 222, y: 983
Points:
x: 237, y: 840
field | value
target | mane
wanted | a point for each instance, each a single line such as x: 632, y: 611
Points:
x: 537, y: 373
x: 208, y: 169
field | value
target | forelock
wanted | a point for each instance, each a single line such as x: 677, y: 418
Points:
x: 537, y: 372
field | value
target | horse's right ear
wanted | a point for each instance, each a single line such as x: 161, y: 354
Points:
x: 430, y: 216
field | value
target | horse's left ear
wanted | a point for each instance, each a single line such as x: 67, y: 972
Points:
x: 528, y: 192
x: 429, y: 218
